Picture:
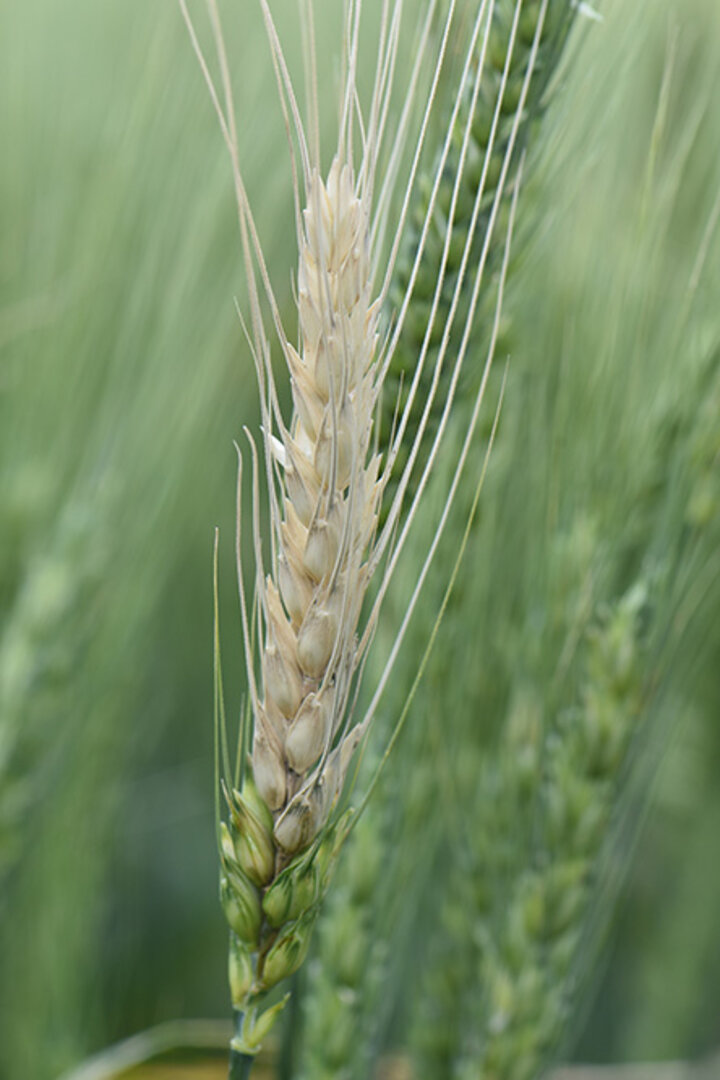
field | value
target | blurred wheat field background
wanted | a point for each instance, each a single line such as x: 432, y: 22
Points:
x: 592, y: 568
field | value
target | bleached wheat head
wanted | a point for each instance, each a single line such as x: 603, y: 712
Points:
x: 321, y: 474
x: 325, y: 520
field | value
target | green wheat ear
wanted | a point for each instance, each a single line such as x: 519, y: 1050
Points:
x: 531, y: 951
x: 502, y: 95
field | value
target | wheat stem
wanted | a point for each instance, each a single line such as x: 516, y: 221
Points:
x: 240, y: 1063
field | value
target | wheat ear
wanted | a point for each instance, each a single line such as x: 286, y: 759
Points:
x: 502, y: 92
x: 324, y: 482
x: 324, y: 519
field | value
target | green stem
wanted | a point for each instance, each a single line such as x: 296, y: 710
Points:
x: 240, y: 1064
x: 292, y: 1030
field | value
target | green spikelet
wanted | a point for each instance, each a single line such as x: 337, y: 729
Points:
x: 252, y: 834
x: 241, y: 904
x: 287, y: 952
x: 292, y: 892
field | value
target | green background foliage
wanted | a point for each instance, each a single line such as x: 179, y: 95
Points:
x: 124, y: 379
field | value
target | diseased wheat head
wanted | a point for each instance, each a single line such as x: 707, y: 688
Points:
x: 325, y: 521
x: 319, y: 589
